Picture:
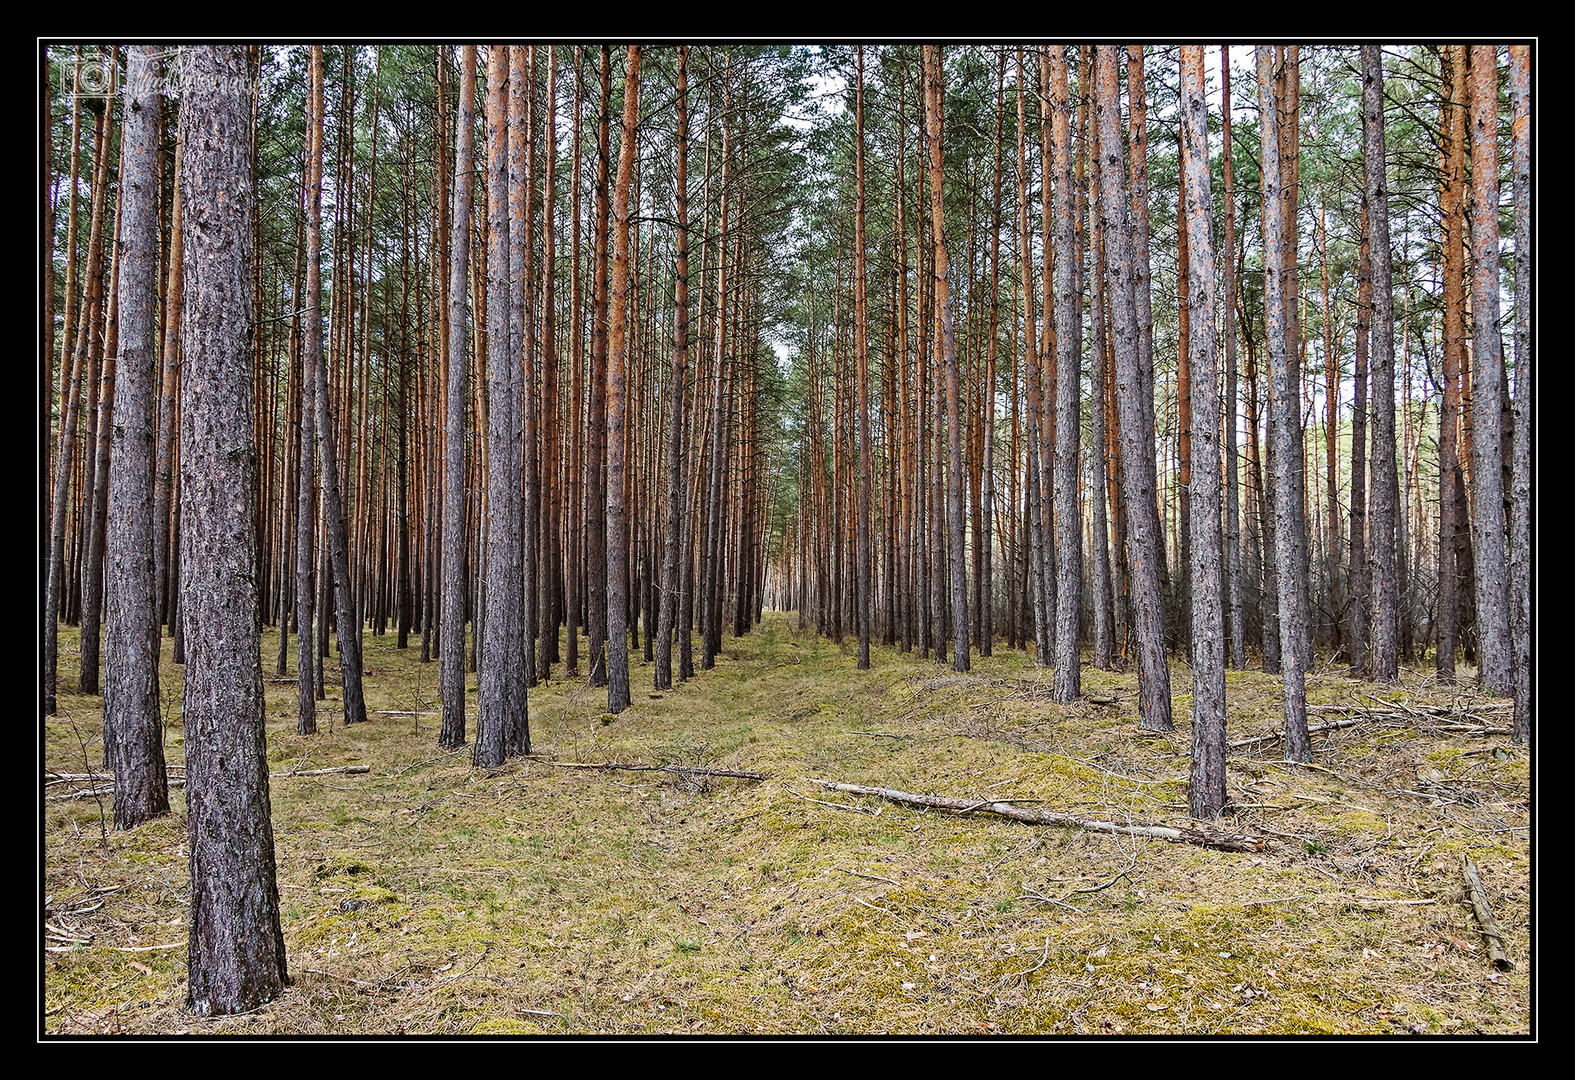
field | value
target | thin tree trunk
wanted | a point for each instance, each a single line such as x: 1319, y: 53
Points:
x: 1293, y: 601
x: 1520, y: 525
x: 1228, y: 321
x: 451, y: 640
x: 1384, y: 662
x: 617, y: 538
x: 1487, y: 522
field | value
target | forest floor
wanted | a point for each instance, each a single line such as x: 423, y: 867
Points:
x: 426, y: 896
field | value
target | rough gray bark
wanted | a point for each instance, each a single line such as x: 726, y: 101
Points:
x: 1520, y: 526
x: 1138, y: 469
x: 131, y: 619
x: 672, y: 545
x: 502, y: 668
x: 524, y: 345
x: 451, y: 639
x: 1487, y: 367
x: 1285, y: 426
x: 1206, y: 786
x: 1238, y: 647
x: 1069, y: 375
x: 236, y: 958
x: 617, y: 538
x: 1384, y: 662
x: 312, y: 351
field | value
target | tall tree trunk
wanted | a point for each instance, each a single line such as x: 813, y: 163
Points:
x: 131, y: 620
x: 617, y: 538
x: 1069, y: 376
x: 306, y: 483
x: 1228, y: 322
x: 1206, y: 781
x: 1138, y: 487
x: 1520, y: 525
x: 596, y: 459
x: 948, y: 351
x: 672, y: 548
x: 451, y: 640
x: 1286, y: 427
x: 1384, y: 661
x: 1037, y: 559
x: 1487, y: 522
x: 1452, y: 206
x: 861, y: 347
x: 501, y: 686
x: 235, y: 959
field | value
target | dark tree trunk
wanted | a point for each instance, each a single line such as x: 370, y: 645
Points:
x: 1452, y: 208
x: 306, y: 485
x: 1487, y: 523
x: 1385, y: 659
x: 1520, y: 526
x: 501, y: 685
x: 1138, y: 486
x: 1069, y: 375
x: 451, y: 640
x: 236, y: 958
x: 131, y: 619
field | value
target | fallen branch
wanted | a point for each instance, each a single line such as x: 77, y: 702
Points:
x: 322, y: 772
x: 1178, y: 834
x: 1313, y: 730
x: 741, y: 774
x: 1489, y: 926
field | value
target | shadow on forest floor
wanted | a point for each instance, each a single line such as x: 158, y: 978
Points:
x: 429, y: 897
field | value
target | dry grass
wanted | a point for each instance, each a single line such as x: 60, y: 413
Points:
x: 428, y: 897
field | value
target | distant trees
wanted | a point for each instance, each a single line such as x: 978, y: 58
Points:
x: 840, y: 394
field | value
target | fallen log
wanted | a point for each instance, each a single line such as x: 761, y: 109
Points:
x: 695, y: 770
x: 323, y: 772
x: 1313, y: 730
x: 1191, y: 834
x: 1477, y: 895
x: 173, y: 781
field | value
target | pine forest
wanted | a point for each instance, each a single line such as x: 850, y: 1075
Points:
x: 730, y: 539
